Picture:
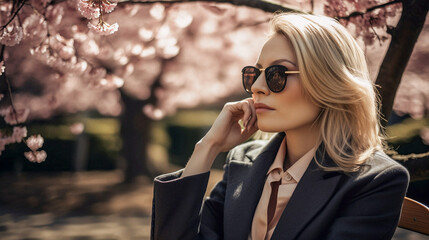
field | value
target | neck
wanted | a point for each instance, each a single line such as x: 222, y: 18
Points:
x: 299, y: 142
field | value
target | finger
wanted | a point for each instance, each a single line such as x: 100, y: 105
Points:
x: 254, y: 126
x: 247, y: 112
x: 250, y: 130
x: 253, y: 117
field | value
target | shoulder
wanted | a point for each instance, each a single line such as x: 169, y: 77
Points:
x: 380, y: 167
x: 381, y: 162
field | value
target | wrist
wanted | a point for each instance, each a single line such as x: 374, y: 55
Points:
x: 201, y: 159
x: 208, y: 147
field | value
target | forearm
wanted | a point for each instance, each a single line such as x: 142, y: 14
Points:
x: 176, y: 206
x: 201, y: 159
x: 224, y: 134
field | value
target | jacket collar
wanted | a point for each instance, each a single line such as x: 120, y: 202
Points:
x: 245, y: 184
x: 310, y: 196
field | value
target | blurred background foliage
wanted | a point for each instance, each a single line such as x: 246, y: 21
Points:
x: 172, y: 140
x: 98, y: 146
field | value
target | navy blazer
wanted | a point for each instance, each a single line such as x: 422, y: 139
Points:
x: 363, y: 205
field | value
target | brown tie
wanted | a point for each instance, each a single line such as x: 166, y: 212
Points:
x: 272, y: 205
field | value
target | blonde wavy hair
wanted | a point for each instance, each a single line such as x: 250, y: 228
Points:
x: 335, y: 76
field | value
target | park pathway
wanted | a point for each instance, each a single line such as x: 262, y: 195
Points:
x: 46, y: 227
x: 84, y: 206
x: 111, y: 227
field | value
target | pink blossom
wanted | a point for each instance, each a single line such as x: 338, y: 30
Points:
x: 146, y: 34
x: 34, y: 142
x: 90, y: 47
x: 111, y: 82
x: 335, y: 8
x: 19, y: 133
x: 2, y: 67
x: 2, y: 145
x: 366, y: 24
x: 157, y: 11
x: 60, y: 54
x: 62, y: 46
x: 77, y: 128
x: 91, y: 8
x: 45, y: 2
x: 11, y: 35
x: 97, y: 73
x: 41, y: 3
x: 424, y: 134
x: 54, y: 14
x: 108, y: 6
x: 183, y: 19
x: 72, y: 65
x: 35, y: 29
x: 6, y: 7
x: 103, y: 28
x: 1, y: 96
x: 88, y: 9
x: 36, y: 156
x: 66, y: 52
x: 152, y: 112
x: 12, y: 118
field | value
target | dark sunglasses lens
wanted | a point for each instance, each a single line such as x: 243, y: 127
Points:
x: 276, y: 78
x: 250, y: 74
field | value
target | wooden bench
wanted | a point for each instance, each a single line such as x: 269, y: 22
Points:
x: 414, y: 216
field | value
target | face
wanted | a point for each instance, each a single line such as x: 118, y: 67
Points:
x: 289, y: 109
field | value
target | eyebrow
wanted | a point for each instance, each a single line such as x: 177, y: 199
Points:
x: 277, y: 62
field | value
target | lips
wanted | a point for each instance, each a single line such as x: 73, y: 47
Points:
x: 260, y: 107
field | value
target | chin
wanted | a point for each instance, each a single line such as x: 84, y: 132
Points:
x: 271, y: 128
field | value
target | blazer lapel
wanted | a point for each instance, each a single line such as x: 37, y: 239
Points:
x: 244, y: 189
x: 310, y: 196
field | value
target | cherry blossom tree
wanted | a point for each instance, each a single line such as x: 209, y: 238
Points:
x: 142, y: 60
x: 162, y: 57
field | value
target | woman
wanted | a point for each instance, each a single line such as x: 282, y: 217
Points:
x: 322, y: 176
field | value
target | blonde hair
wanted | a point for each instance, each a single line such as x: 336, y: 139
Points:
x: 335, y: 76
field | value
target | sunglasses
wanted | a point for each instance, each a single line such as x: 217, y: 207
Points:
x: 275, y: 76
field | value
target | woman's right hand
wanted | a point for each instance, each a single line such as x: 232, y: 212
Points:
x: 226, y: 131
x: 224, y: 134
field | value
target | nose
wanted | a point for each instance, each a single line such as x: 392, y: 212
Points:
x: 260, y: 85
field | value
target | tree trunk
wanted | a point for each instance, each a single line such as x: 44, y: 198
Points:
x: 135, y: 127
x: 404, y: 37
x: 135, y: 134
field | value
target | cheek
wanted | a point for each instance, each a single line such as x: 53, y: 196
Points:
x: 292, y: 95
x: 297, y: 109
x: 293, y: 110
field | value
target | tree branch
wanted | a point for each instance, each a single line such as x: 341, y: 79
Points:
x: 13, y: 17
x: 5, y: 88
x: 404, y: 37
x: 264, y: 5
x: 357, y: 13
x: 416, y: 164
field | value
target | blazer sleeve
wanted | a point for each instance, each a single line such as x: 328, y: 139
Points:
x: 177, y: 211
x: 373, y: 210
